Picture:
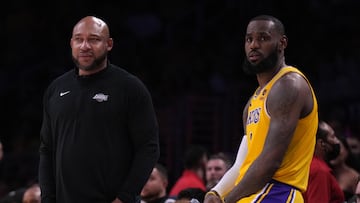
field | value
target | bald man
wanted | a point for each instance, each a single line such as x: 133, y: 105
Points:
x: 32, y: 194
x: 99, y: 136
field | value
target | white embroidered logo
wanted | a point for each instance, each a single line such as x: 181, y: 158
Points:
x: 64, y: 93
x: 100, y: 97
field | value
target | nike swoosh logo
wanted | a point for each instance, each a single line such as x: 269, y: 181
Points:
x: 64, y: 93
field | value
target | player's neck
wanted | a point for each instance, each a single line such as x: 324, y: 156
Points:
x: 265, y: 77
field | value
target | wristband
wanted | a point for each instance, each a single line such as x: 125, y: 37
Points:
x: 213, y: 192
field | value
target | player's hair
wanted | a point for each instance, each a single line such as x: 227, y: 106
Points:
x: 279, y: 26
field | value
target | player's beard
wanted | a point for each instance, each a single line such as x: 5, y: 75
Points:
x: 264, y: 65
x: 95, y: 65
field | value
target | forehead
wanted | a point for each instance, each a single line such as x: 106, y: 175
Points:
x: 90, y: 27
x: 213, y: 162
x: 329, y: 131
x: 156, y: 172
x: 260, y: 26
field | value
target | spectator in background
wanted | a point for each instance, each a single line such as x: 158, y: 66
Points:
x: 14, y: 196
x: 3, y: 185
x: 190, y: 195
x: 356, y: 197
x: 323, y: 186
x: 353, y: 141
x: 216, y: 167
x: 345, y: 174
x: 193, y: 175
x: 1, y: 151
x: 29, y: 194
x: 155, y: 189
x: 32, y: 194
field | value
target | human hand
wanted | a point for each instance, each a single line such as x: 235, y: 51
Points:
x: 117, y: 201
x: 212, y: 198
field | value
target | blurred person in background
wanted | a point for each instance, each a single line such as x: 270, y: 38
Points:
x: 216, y: 167
x: 1, y: 151
x: 155, y: 189
x: 345, y: 174
x: 356, y: 197
x: 353, y: 141
x: 193, y: 175
x: 190, y: 195
x: 32, y: 194
x: 323, y: 186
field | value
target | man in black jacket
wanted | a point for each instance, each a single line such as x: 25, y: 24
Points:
x: 99, y: 137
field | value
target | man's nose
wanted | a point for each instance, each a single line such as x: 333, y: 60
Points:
x: 85, y: 45
x: 254, y: 44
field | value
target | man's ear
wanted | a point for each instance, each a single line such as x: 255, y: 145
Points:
x: 110, y: 44
x: 283, y: 42
x: 322, y: 143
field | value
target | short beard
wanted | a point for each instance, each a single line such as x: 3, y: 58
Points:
x: 334, y: 153
x: 266, y: 64
x: 95, y: 65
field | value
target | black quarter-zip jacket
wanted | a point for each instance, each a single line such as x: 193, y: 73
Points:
x: 99, y: 138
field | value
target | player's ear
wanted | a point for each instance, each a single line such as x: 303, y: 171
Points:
x: 283, y: 42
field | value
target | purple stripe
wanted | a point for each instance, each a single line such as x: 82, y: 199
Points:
x: 279, y: 193
x: 262, y: 193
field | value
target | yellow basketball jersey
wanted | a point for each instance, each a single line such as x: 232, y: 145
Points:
x: 294, y: 169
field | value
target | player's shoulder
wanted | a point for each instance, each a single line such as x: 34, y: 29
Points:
x: 292, y: 79
x: 289, y: 86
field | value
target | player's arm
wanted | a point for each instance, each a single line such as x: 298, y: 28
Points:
x: 284, y: 104
x: 227, y: 182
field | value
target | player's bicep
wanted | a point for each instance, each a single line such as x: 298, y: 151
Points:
x: 284, y: 105
x: 285, y: 101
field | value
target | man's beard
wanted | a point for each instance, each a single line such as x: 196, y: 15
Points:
x: 334, y: 153
x: 266, y: 64
x: 97, y: 62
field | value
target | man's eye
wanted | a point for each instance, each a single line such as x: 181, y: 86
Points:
x: 78, y: 40
x: 94, y: 40
x: 262, y: 38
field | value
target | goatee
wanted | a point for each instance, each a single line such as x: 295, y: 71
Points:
x: 266, y: 64
x: 97, y: 62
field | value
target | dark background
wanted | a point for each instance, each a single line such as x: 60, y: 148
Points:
x: 188, y: 53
